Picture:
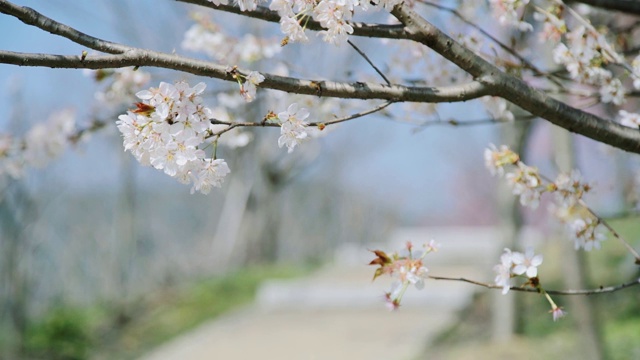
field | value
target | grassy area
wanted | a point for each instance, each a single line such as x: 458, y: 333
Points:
x: 105, y: 333
x: 540, y: 337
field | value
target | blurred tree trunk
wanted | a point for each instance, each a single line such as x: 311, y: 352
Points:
x: 16, y: 209
x: 574, y: 268
x: 505, y: 320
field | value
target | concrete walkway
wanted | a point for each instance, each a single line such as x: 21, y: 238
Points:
x: 338, y: 313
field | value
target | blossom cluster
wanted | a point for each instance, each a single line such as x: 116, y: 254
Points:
x: 513, y: 264
x: 583, y: 50
x: 407, y: 270
x: 553, y: 25
x: 569, y: 188
x: 43, y: 143
x: 168, y: 131
x: 333, y: 15
x: 583, y: 58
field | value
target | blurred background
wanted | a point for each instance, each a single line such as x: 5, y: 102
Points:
x: 102, y: 258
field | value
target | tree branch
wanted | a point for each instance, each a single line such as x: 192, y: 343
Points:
x: 366, y: 58
x: 130, y: 56
x: 233, y: 125
x: 490, y: 79
x: 354, y: 90
x: 516, y: 90
x: 600, y: 290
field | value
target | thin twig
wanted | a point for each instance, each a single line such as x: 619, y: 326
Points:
x: 599, y: 290
x: 322, y: 88
x: 369, y: 61
x: 613, y: 231
x: 354, y: 116
x: 491, y: 121
x: 602, y: 221
x: 233, y: 125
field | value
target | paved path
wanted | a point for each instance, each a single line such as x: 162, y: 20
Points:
x: 338, y: 313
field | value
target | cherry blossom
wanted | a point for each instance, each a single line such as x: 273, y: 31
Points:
x: 292, y: 130
x: 43, y: 143
x: 513, y: 263
x: 525, y: 182
x: 629, y: 119
x: 207, y: 37
x: 124, y: 84
x: 586, y: 232
x: 506, y: 11
x: 496, y: 159
x: 497, y: 107
x: 553, y: 27
x: 570, y: 188
x: 248, y: 88
x: 557, y: 313
x: 503, y: 271
x: 526, y: 263
x: 407, y: 270
x: 168, y: 130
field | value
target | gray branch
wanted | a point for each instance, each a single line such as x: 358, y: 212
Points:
x: 515, y: 90
x: 354, y: 90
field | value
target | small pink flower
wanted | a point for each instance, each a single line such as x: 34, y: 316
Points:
x: 557, y: 313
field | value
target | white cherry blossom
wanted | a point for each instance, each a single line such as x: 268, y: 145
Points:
x: 292, y: 130
x: 526, y: 263
x: 168, y: 131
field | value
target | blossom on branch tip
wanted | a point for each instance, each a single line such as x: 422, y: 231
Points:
x: 557, y: 313
x: 432, y: 246
x: 407, y: 270
x: 516, y: 264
